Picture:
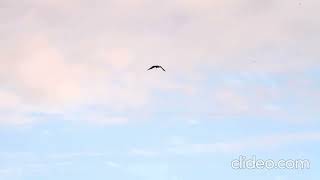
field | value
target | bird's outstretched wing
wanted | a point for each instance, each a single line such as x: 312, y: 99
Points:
x: 162, y: 68
x: 156, y: 66
x: 151, y: 68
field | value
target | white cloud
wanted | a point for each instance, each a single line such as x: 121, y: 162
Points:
x: 156, y: 171
x: 143, y: 152
x: 113, y: 164
x: 281, y: 178
x: 262, y: 143
x: 72, y: 155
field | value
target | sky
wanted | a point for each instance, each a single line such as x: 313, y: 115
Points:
x: 77, y: 102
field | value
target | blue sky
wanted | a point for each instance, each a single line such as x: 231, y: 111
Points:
x: 76, y: 101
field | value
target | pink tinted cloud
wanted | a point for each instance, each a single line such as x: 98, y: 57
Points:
x: 98, y: 52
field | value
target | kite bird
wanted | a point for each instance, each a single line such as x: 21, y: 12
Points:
x: 156, y: 66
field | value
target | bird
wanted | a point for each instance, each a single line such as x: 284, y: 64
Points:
x: 156, y: 66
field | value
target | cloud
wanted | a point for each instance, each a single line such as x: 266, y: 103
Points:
x: 40, y: 74
x: 230, y: 100
x: 12, y: 110
x: 147, y: 170
x: 281, y: 178
x: 106, y: 120
x: 75, y: 155
x: 113, y: 164
x: 143, y: 152
x: 58, y: 56
x: 262, y: 143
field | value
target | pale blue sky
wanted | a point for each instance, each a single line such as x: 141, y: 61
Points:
x: 76, y: 101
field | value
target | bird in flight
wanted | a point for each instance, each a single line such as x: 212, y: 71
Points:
x: 156, y: 66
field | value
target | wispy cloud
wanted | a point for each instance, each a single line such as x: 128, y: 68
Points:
x: 113, y: 164
x: 142, y: 152
x: 261, y: 143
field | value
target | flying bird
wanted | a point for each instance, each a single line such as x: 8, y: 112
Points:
x: 156, y: 66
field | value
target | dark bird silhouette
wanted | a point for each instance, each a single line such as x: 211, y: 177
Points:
x: 156, y: 66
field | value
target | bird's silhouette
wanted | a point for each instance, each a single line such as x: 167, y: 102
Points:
x: 156, y: 66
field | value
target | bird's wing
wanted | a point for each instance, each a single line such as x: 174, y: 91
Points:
x: 162, y: 68
x: 151, y: 67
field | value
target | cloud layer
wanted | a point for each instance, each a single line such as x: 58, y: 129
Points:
x: 59, y: 56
